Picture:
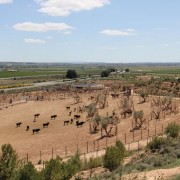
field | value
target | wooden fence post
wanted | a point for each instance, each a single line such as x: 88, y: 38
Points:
x: 141, y: 133
x: 98, y: 145
x: 52, y: 153
x: 162, y: 129
x: 106, y: 142
x: 65, y: 151
x: 27, y: 157
x: 77, y: 148
x: 90, y: 129
x: 43, y: 165
x: 133, y: 136
x: 87, y: 147
x: 94, y: 145
x: 125, y: 138
x: 40, y: 156
x: 148, y: 132
x: 155, y: 130
x: 116, y: 132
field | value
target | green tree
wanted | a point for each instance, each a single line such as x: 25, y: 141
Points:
x: 73, y: 166
x: 8, y: 162
x: 27, y: 172
x: 71, y: 74
x: 56, y: 169
x: 105, y: 73
x: 173, y: 130
x: 114, y: 156
x: 52, y: 169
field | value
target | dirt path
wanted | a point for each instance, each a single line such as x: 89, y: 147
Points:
x: 159, y: 174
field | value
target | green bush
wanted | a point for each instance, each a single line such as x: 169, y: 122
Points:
x: 92, y: 163
x: 27, y: 172
x: 173, y: 130
x: 52, y: 169
x: 156, y: 144
x: 57, y: 169
x: 114, y: 156
x: 8, y: 162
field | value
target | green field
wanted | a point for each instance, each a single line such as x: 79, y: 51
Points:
x: 84, y: 70
x: 48, y: 71
x: 159, y: 70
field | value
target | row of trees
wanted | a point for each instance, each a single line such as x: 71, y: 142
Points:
x: 105, y: 73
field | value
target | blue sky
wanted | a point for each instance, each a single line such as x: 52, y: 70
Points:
x: 116, y: 31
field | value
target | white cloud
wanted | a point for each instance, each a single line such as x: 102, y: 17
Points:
x: 66, y: 7
x: 113, y: 32
x: 44, y: 27
x: 34, y: 41
x: 5, y: 1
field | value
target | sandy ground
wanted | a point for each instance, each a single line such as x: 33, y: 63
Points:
x: 64, y: 140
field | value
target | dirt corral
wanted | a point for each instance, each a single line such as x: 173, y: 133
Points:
x: 65, y: 138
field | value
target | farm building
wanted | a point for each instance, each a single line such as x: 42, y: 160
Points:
x: 90, y: 86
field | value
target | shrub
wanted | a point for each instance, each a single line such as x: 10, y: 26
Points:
x: 27, y: 172
x: 92, y: 163
x: 57, y: 169
x: 52, y: 168
x: 114, y: 156
x: 173, y: 130
x: 156, y: 144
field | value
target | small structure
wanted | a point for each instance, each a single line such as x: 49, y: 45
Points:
x: 89, y: 86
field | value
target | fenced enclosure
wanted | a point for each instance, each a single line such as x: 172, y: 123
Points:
x: 135, y: 140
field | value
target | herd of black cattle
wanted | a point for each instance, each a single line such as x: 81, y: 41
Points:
x: 53, y: 117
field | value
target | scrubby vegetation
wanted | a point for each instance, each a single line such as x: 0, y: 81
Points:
x: 161, y: 152
x: 12, y: 168
x: 173, y: 130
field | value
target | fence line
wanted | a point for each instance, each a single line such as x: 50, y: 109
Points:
x: 132, y: 140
